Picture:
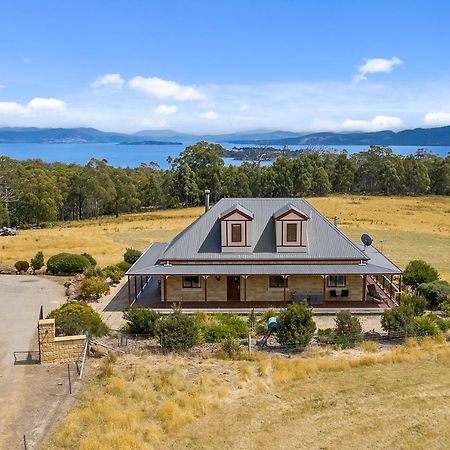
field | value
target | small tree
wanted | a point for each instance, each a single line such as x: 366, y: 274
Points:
x: 38, y: 261
x: 295, y: 326
x: 90, y: 258
x: 141, y: 321
x: 436, y: 292
x: 179, y: 332
x: 93, y: 288
x: 416, y: 302
x: 399, y: 321
x: 348, y: 329
x: 418, y: 272
x: 131, y: 255
x: 22, y: 266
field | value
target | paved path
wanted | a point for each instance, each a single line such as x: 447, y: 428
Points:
x: 20, y: 301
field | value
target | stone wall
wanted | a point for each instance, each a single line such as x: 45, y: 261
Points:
x: 58, y: 349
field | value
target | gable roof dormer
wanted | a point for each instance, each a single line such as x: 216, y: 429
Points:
x: 236, y: 229
x: 291, y: 229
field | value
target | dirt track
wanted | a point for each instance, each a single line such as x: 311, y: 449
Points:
x: 29, y: 394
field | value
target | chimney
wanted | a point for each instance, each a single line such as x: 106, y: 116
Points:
x: 335, y: 221
x: 207, y: 192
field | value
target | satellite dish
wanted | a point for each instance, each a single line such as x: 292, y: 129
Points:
x: 366, y: 240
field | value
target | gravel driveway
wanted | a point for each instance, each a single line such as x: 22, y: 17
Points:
x: 20, y: 301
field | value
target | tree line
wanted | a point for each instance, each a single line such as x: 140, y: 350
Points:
x: 34, y: 192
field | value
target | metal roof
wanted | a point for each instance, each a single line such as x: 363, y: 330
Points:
x: 267, y: 269
x: 148, y: 259
x: 202, y: 239
x: 286, y: 208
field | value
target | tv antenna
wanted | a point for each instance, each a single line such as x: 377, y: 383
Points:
x: 366, y: 240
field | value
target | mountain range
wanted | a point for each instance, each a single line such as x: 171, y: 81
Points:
x: 418, y: 136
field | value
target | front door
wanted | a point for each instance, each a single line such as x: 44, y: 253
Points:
x: 233, y: 289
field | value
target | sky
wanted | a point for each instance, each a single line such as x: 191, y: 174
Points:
x: 213, y: 66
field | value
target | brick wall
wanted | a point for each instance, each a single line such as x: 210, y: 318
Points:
x: 58, y: 349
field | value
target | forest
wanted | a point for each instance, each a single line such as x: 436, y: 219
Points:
x: 35, y: 193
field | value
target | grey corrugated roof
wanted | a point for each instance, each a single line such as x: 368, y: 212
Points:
x: 378, y: 258
x: 288, y: 207
x: 237, y: 207
x: 268, y: 269
x: 148, y: 259
x: 202, y: 239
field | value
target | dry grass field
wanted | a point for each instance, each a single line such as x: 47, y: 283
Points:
x: 363, y: 398
x: 404, y: 228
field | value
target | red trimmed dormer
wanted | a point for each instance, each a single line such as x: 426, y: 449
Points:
x: 236, y: 229
x: 291, y: 230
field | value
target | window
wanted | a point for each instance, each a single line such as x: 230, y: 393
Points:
x: 336, y: 281
x: 191, y: 282
x: 278, y: 282
x: 291, y: 232
x: 236, y: 232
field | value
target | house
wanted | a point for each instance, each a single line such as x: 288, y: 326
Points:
x: 261, y: 252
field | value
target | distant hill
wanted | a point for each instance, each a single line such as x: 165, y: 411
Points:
x: 417, y: 136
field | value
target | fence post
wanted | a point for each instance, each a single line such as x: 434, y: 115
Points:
x: 161, y: 342
x: 249, y: 343
x: 70, y: 381
x: 25, y: 442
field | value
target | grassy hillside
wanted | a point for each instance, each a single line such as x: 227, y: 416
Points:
x: 352, y: 399
x: 404, y: 228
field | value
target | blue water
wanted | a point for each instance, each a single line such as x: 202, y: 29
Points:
x: 134, y: 155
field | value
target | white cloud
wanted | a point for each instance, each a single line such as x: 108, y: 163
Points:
x: 439, y: 118
x: 47, y: 103
x: 376, y: 65
x: 378, y: 123
x: 11, y: 108
x: 210, y: 115
x: 244, y: 107
x: 165, y: 109
x: 159, y: 88
x: 110, y: 79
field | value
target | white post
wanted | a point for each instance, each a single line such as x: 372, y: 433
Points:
x: 249, y: 343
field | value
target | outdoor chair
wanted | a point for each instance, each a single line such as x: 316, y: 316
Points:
x: 344, y: 293
x: 372, y: 291
x: 333, y: 293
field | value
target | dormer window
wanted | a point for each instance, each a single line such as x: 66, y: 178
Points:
x: 236, y: 232
x: 291, y: 229
x: 236, y: 229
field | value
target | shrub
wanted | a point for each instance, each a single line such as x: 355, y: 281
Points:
x: 435, y: 292
x: 223, y: 326
x: 398, y: 321
x: 418, y: 272
x: 443, y: 324
x: 348, y: 329
x: 230, y: 349
x: 67, y: 263
x: 326, y: 336
x: 37, y: 262
x: 77, y: 318
x: 131, y: 255
x: 94, y: 271
x: 22, y: 266
x: 90, y: 258
x: 123, y: 266
x: 179, y: 332
x: 426, y: 326
x: 114, y: 273
x: 93, y: 288
x: 445, y: 308
x: 141, y: 321
x: 295, y: 326
x: 416, y: 302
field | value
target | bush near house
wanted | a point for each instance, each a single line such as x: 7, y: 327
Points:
x: 443, y: 324
x: 435, y: 292
x: 123, y: 266
x: 141, y: 321
x: 399, y: 321
x: 221, y: 327
x: 416, y: 302
x: 426, y: 326
x: 179, y: 332
x: 295, y: 326
x: 445, y: 308
x: 74, y: 318
x: 418, y: 272
x: 67, y: 263
x: 93, y: 288
x: 114, y: 273
x: 131, y: 255
x: 22, y: 266
x: 37, y: 262
x: 348, y: 331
